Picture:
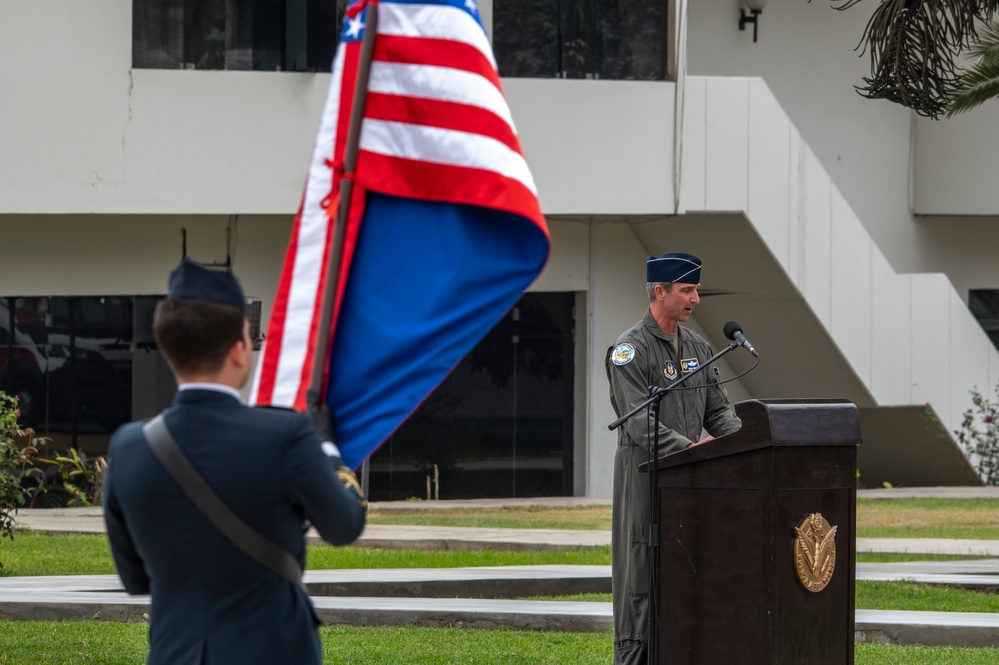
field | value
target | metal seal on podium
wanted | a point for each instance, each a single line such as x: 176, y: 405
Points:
x: 814, y: 552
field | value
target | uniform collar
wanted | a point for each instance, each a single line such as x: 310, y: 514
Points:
x: 653, y: 326
x: 210, y: 387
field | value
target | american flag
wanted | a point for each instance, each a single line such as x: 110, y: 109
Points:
x: 444, y: 234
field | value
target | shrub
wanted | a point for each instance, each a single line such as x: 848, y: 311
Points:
x: 14, y: 459
x: 68, y: 479
x: 979, y: 436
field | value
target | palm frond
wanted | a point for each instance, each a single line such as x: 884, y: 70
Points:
x: 988, y: 43
x: 980, y: 83
x: 914, y: 46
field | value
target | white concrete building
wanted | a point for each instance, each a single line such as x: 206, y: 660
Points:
x: 845, y: 235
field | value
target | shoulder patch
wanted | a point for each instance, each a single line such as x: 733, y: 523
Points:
x: 623, y: 354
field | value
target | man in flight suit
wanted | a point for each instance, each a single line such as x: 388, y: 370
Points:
x: 212, y: 602
x: 656, y: 351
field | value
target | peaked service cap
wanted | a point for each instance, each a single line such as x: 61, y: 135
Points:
x: 673, y: 267
x: 192, y: 281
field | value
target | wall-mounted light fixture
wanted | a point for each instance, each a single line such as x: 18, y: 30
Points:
x: 755, y: 9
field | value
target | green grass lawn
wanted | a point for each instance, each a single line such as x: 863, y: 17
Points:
x: 881, y: 654
x: 892, y: 557
x: 47, y: 643
x: 44, y: 643
x: 876, y: 518
x: 325, y: 558
x: 31, y: 554
x: 885, y: 518
x: 923, y: 598
x: 928, y: 518
x: 508, y: 517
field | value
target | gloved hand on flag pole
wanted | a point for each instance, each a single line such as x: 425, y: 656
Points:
x: 322, y: 420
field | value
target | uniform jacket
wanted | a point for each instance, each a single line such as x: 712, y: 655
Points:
x: 211, y: 603
x: 643, y: 357
x: 654, y: 362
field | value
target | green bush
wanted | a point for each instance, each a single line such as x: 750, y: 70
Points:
x: 70, y: 479
x: 14, y: 458
x: 979, y: 436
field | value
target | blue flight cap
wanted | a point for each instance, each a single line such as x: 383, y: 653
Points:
x: 193, y: 281
x: 673, y: 267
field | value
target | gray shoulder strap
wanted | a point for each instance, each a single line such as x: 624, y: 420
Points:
x: 264, y: 551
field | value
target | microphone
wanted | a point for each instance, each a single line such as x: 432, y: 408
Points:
x: 733, y: 331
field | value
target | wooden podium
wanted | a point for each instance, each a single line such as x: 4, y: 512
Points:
x: 732, y: 570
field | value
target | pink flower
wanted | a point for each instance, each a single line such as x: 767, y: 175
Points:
x: 988, y: 418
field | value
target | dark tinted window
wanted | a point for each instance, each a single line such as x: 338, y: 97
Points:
x: 501, y: 425
x: 984, y: 304
x: 265, y: 35
x: 69, y: 361
x: 602, y: 39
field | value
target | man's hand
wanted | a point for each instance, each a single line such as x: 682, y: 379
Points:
x: 322, y: 420
x: 704, y: 440
x: 320, y: 416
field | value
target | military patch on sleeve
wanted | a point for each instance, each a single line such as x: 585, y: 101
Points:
x: 688, y: 365
x: 623, y: 354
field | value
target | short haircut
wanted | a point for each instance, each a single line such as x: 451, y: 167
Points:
x: 196, y: 335
x: 651, y: 288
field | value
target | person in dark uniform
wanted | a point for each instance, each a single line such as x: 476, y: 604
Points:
x: 212, y: 602
x: 656, y: 351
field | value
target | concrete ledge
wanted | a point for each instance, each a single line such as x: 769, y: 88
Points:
x: 466, y: 613
x: 961, y: 547
x: 962, y: 629
x: 973, y: 575
x: 495, y: 582
x: 471, y: 538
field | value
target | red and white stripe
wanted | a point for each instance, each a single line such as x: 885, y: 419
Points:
x: 286, y: 357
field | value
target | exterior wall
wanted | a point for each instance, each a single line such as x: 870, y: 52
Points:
x: 597, y: 147
x: 100, y: 137
x: 882, y: 158
x: 954, y: 163
x: 863, y: 145
x: 76, y: 255
x: 617, y: 299
x: 875, y: 318
x: 148, y: 141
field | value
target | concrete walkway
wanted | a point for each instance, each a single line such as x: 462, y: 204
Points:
x: 85, y: 597
x: 428, y: 596
x: 91, y: 520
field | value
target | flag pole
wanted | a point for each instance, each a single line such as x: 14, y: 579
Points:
x: 346, y: 188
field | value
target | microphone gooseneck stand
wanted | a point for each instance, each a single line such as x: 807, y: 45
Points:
x: 656, y: 395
